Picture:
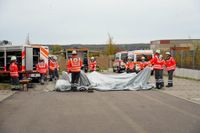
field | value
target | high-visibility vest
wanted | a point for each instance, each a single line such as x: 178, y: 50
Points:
x: 93, y: 65
x: 170, y: 64
x: 14, y: 70
x: 53, y: 65
x: 143, y: 65
x: 130, y: 65
x: 74, y: 64
x: 42, y: 67
x: 158, y: 63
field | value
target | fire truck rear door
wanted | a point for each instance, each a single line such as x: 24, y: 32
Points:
x: 29, y: 58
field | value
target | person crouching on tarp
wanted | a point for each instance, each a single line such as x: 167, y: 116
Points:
x: 74, y: 67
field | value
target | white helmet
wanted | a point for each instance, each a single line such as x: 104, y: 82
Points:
x: 167, y: 53
x: 74, y: 52
x: 13, y: 58
x: 55, y: 58
x: 158, y: 51
x: 129, y: 57
x: 160, y: 56
x: 92, y: 58
x: 143, y: 58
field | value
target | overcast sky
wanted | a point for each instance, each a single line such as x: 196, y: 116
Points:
x: 90, y: 21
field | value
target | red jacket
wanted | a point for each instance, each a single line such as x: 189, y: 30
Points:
x: 170, y: 64
x: 157, y: 62
x: 74, y: 64
x: 42, y: 67
x: 143, y: 65
x: 14, y: 70
x: 53, y: 65
x: 130, y: 65
x: 93, y: 65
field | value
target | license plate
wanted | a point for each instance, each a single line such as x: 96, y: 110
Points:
x: 35, y: 75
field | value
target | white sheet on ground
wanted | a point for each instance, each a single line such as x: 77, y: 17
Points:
x: 106, y: 82
x: 122, y: 81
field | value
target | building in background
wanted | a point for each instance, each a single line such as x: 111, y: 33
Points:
x: 175, y: 44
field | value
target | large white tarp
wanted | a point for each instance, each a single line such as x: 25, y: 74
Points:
x: 110, y: 82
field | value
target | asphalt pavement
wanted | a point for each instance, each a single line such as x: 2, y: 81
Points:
x: 150, y: 111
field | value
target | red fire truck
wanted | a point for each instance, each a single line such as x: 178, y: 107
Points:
x: 27, y: 58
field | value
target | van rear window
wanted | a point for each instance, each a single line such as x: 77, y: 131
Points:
x: 147, y: 57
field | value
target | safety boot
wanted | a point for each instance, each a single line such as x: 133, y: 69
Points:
x: 162, y: 84
x: 169, y: 85
x: 158, y: 86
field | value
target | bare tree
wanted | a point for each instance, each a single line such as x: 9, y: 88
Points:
x: 111, y: 47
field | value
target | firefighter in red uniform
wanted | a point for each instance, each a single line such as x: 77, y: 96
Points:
x: 158, y: 63
x: 14, y: 72
x: 130, y: 65
x: 170, y: 64
x: 74, y: 67
x: 143, y: 63
x: 162, y: 63
x: 92, y: 64
x: 53, y: 67
x: 42, y: 69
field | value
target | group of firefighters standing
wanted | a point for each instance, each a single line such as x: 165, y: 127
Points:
x: 74, y: 67
x: 75, y: 64
x: 158, y: 64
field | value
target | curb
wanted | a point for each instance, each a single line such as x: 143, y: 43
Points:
x: 5, y: 96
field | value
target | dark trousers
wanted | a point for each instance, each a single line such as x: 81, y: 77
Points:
x: 14, y: 80
x: 170, y: 77
x: 75, y: 77
x: 42, y: 77
x: 159, y: 78
x: 54, y: 74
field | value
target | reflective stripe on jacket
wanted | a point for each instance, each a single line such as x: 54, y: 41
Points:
x: 14, y: 70
x: 93, y: 65
x: 170, y: 64
x: 53, y: 65
x: 157, y: 63
x: 130, y: 65
x: 74, y: 64
x: 42, y: 67
x: 143, y: 65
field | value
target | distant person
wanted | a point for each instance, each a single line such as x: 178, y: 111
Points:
x: 42, y: 68
x: 85, y: 64
x: 143, y: 63
x: 74, y: 67
x: 170, y: 64
x: 93, y: 64
x: 130, y: 66
x: 54, y: 67
x: 14, y: 74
